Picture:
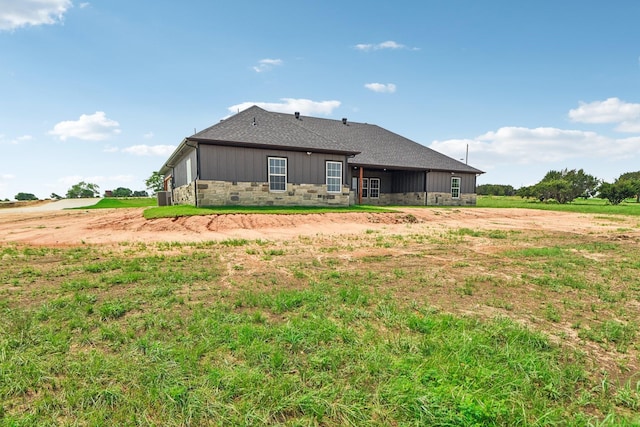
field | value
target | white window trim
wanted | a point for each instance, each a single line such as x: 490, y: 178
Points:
x: 339, y: 178
x: 188, y: 168
x: 371, y: 188
x: 365, y: 188
x: 459, y: 181
x: 269, y: 174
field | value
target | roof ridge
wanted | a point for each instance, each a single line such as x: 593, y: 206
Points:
x: 319, y: 118
x: 253, y: 107
x: 301, y: 124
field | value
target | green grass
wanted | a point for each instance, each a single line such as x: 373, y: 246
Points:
x: 184, y: 210
x: 181, y: 335
x: 130, y: 202
x: 597, y: 206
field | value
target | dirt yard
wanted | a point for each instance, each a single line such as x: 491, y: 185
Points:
x: 106, y: 226
x: 475, y: 276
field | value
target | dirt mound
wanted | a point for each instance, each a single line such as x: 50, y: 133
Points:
x: 128, y: 225
x: 23, y: 204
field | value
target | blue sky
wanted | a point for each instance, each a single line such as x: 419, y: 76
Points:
x: 102, y: 91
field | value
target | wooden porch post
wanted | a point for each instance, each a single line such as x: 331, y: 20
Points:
x: 360, y: 186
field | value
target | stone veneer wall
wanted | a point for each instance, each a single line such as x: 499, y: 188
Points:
x: 445, y: 199
x: 184, y: 195
x: 221, y: 193
x: 217, y: 193
x: 389, y: 199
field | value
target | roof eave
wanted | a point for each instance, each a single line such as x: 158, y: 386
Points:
x: 415, y: 168
x: 245, y: 144
x: 169, y: 164
x: 389, y: 167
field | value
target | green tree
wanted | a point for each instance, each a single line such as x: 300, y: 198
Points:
x: 25, y: 196
x: 634, y: 178
x: 140, y: 193
x: 563, y: 186
x: 155, y: 182
x: 495, y: 190
x: 83, y: 190
x: 617, y: 192
x: 121, y: 192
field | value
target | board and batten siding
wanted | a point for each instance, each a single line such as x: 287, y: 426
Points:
x: 180, y: 173
x: 441, y: 182
x: 393, y: 181
x: 240, y: 164
x: 408, y: 181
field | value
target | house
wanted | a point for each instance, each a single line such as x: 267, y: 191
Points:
x: 257, y: 157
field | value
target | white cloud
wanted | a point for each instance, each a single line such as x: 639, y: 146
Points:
x: 390, y: 44
x: 110, y: 149
x: 94, y: 127
x: 267, y: 64
x: 21, y: 13
x: 381, y: 87
x: 291, y: 105
x: 611, y: 110
x: 84, y: 5
x: 629, y: 127
x: 22, y: 138
x: 15, y: 141
x: 150, y: 150
x: 518, y: 145
x: 148, y: 135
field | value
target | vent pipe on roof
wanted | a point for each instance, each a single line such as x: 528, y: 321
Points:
x: 297, y: 114
x: 344, y: 120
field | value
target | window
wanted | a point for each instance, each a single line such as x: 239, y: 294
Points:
x: 374, y: 188
x: 455, y: 187
x: 277, y: 174
x: 334, y: 177
x: 365, y: 187
x: 188, y: 167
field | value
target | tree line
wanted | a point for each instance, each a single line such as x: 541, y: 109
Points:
x: 564, y: 186
x: 84, y: 189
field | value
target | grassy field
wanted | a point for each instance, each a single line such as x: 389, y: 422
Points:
x: 123, y: 202
x: 597, y: 206
x: 155, y: 211
x: 415, y: 329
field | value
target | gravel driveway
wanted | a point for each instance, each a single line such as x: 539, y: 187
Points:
x: 58, y: 205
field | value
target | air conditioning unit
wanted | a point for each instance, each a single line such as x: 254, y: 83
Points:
x: 164, y: 198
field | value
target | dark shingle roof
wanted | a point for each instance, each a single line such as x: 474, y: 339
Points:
x: 257, y: 127
x: 370, y: 145
x: 379, y: 147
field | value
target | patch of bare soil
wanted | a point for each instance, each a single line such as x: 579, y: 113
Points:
x: 103, y: 226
